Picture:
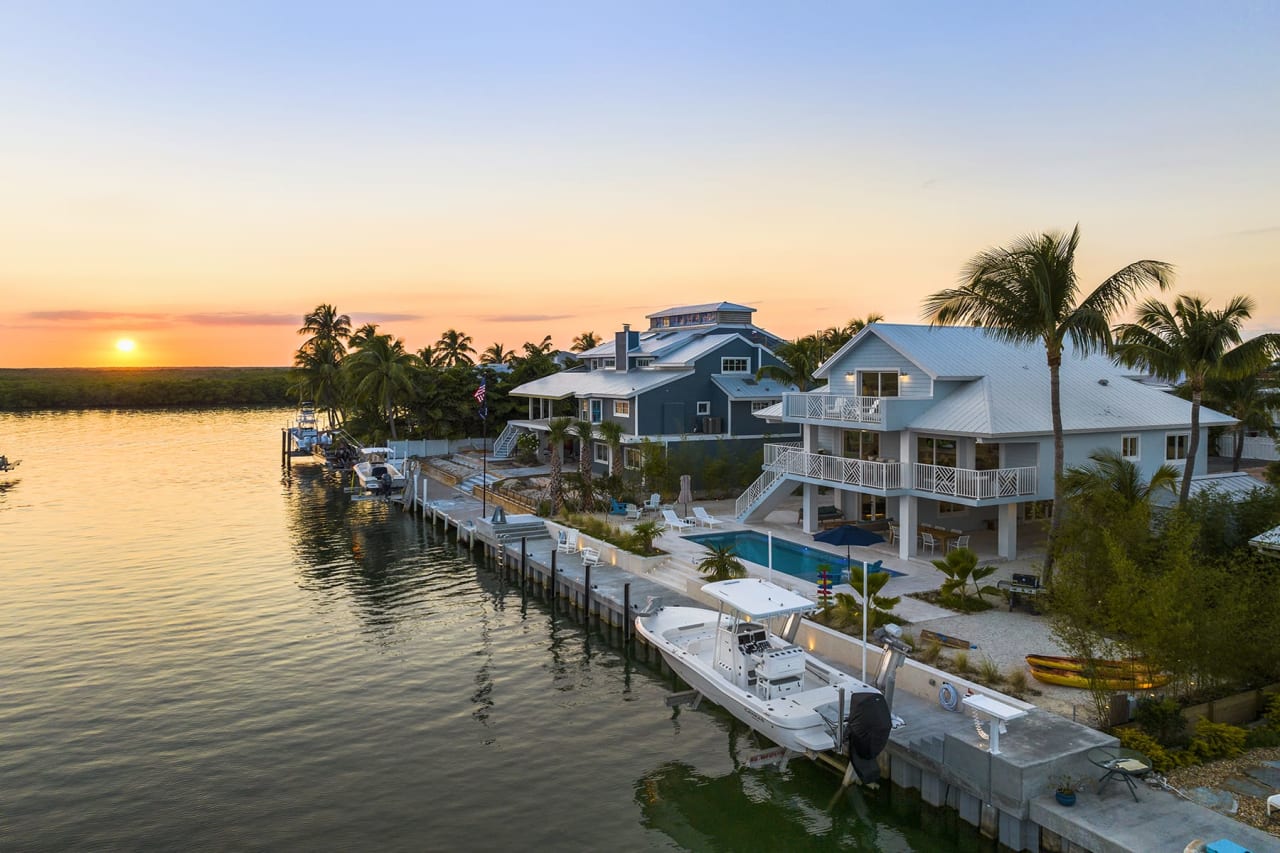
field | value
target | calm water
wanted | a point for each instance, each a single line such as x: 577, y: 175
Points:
x: 199, y: 653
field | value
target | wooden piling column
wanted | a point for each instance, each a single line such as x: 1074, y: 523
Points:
x: 626, y: 612
x: 586, y: 597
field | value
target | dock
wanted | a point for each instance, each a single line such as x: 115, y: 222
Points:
x: 946, y: 756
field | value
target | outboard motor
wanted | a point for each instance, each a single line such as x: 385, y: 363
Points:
x: 866, y: 733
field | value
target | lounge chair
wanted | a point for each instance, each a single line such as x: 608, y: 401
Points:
x: 674, y: 521
x: 567, y: 543
x: 653, y: 504
x: 616, y: 508
x: 700, y: 516
x: 590, y: 557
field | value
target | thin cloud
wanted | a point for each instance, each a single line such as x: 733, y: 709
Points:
x: 360, y: 318
x: 237, y: 318
x: 524, y: 318
x: 94, y: 316
x: 1254, y: 232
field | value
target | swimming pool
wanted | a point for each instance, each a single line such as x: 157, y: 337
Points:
x: 799, y: 561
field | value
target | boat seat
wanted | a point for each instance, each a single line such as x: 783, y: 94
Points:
x: 777, y: 664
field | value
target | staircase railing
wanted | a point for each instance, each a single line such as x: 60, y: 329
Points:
x: 506, y: 442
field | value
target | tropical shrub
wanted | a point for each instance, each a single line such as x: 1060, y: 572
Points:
x: 961, y: 568
x: 1216, y: 740
x: 722, y: 564
x: 1163, y: 720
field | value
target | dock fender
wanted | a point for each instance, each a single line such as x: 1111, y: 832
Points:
x: 948, y: 696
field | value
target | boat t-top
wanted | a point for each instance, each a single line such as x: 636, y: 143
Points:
x: 764, y: 679
x: 375, y: 474
x: 305, y: 431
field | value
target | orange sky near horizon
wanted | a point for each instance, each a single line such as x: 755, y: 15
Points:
x: 197, y: 178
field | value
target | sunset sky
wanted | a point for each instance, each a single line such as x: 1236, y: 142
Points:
x: 195, y: 177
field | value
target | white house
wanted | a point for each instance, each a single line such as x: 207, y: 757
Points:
x: 949, y: 427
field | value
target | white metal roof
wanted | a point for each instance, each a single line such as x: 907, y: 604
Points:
x: 1005, y: 388
x: 744, y: 386
x: 704, y: 308
x: 598, y: 383
x: 758, y: 598
x: 1268, y: 542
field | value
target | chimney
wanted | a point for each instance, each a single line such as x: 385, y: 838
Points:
x: 621, y: 345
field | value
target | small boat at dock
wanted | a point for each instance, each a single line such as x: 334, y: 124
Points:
x: 304, y: 435
x: 375, y: 474
x: 734, y: 659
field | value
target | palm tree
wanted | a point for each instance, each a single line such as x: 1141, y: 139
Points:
x: 326, y: 326
x: 857, y: 324
x: 1110, y: 475
x: 454, y: 348
x: 611, y: 432
x: 317, y: 377
x: 1252, y: 401
x: 1192, y: 341
x: 429, y: 356
x: 497, y: 354
x: 363, y: 334
x: 721, y: 564
x: 557, y: 432
x: 800, y: 358
x: 584, y: 429
x: 1029, y: 293
x: 381, y: 371
x: 584, y: 342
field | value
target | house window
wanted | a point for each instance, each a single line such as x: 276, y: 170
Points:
x: 606, y: 363
x: 986, y: 457
x: 622, y: 408
x: 936, y: 451
x: 1129, y: 446
x: 597, y: 411
x: 861, y: 444
x: 631, y: 458
x: 1175, y: 445
x: 704, y: 407
x: 879, y: 383
x: 947, y: 508
x: 643, y: 362
x: 602, y: 453
x: 735, y: 365
x: 584, y: 410
x: 758, y: 405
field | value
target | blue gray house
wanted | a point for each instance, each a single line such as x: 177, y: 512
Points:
x: 687, y: 383
x: 949, y: 429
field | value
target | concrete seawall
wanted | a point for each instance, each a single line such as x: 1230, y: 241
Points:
x: 943, y: 755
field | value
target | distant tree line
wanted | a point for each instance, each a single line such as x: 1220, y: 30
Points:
x: 33, y: 389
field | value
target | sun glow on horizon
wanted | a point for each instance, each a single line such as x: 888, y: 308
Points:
x: 126, y: 345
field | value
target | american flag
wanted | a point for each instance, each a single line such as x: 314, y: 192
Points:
x: 479, y: 395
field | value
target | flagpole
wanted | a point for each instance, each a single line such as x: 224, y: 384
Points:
x: 864, y: 621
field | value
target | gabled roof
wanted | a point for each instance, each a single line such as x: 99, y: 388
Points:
x: 1004, y: 387
x: 597, y: 383
x: 773, y: 413
x: 740, y: 386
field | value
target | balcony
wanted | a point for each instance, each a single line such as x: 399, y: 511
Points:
x: 920, y: 479
x: 976, y: 485
x: 873, y: 476
x: 837, y: 408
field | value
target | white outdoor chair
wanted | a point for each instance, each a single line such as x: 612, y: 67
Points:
x: 961, y: 541
x: 590, y: 557
x: 893, y: 533
x: 633, y: 512
x: 927, y: 541
x: 567, y: 543
x: 700, y: 516
x: 674, y: 521
x: 652, y: 505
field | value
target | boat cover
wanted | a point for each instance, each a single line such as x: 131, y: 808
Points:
x: 758, y: 598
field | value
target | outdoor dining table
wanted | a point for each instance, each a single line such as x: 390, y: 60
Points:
x: 1120, y: 763
x: 941, y: 534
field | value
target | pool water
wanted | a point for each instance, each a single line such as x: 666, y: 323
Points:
x: 790, y: 558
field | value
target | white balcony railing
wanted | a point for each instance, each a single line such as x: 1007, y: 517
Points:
x: 878, y: 476
x: 888, y: 476
x: 833, y: 407
x: 978, y: 485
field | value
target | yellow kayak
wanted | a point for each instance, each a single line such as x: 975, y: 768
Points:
x: 1080, y: 664
x: 1114, y: 679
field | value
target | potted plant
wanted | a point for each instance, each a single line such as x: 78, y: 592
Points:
x: 1064, y: 788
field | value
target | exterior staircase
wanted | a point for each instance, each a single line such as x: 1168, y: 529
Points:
x: 505, y: 444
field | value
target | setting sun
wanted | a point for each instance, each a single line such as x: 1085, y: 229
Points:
x: 125, y: 345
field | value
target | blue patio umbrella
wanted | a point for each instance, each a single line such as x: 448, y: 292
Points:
x: 848, y: 535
